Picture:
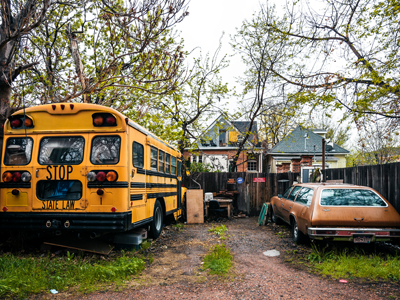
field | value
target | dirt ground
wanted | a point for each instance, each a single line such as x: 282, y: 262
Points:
x: 176, y: 272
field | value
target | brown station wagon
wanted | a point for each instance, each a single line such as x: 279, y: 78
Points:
x: 336, y: 212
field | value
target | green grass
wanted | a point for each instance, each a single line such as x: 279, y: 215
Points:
x: 355, y: 264
x: 219, y: 230
x: 218, y: 261
x: 179, y: 226
x: 22, y: 276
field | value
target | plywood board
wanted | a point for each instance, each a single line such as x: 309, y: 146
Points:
x: 194, y: 207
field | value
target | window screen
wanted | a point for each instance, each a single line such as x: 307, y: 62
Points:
x: 105, y: 150
x: 61, y: 150
x: 153, y: 158
x: 18, y: 151
x: 350, y: 197
x: 138, y: 155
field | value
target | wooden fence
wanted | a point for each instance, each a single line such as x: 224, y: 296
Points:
x: 251, y: 195
x: 383, y: 178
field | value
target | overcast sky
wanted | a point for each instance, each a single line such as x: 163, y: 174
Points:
x: 208, y: 20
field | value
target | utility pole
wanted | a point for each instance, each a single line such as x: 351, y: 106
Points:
x: 323, y: 160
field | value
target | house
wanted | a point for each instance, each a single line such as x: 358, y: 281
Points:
x: 219, y: 145
x: 302, y: 148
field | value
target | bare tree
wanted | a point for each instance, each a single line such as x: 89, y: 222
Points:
x: 18, y: 19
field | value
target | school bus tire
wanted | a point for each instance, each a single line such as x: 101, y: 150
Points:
x: 157, y: 222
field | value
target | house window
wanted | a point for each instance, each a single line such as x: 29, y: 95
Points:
x: 194, y: 159
x: 252, y: 166
x: 222, y: 138
x: 200, y: 158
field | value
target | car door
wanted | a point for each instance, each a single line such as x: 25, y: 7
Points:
x: 301, y: 209
x: 288, y: 203
x: 280, y: 203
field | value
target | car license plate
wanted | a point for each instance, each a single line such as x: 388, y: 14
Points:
x: 362, y: 239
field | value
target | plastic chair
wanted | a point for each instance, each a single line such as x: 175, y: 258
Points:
x: 215, y: 209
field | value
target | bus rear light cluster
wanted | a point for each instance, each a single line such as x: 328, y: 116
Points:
x: 102, y: 176
x: 16, y: 177
x: 20, y: 122
x: 104, y: 119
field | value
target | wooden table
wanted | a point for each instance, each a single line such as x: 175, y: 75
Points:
x: 223, y: 202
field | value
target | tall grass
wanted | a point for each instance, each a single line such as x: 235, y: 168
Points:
x: 21, y: 276
x: 355, y: 264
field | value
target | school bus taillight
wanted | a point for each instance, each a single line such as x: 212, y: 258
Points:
x: 111, y: 120
x: 26, y: 177
x: 98, y: 121
x: 16, y: 123
x: 91, y: 176
x: 7, y: 176
x: 101, y: 176
x: 16, y: 177
x: 111, y: 176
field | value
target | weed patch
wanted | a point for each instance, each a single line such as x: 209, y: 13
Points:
x: 355, y: 264
x: 21, y: 276
x: 219, y: 230
x: 218, y: 260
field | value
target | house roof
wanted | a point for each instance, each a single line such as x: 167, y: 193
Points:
x: 243, y: 126
x: 296, y: 142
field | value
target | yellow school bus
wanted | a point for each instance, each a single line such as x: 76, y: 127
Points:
x: 74, y: 167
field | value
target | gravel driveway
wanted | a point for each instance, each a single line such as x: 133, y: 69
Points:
x: 176, y: 270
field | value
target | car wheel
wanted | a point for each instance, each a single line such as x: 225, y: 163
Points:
x: 297, y: 235
x: 274, y: 218
x: 157, y: 223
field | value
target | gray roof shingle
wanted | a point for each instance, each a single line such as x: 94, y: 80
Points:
x: 295, y: 143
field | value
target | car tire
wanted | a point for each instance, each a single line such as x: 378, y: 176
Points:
x: 274, y: 218
x: 157, y: 222
x: 297, y: 235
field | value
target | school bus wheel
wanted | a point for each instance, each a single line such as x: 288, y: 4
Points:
x: 157, y: 223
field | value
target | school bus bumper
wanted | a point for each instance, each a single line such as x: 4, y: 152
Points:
x: 66, y: 222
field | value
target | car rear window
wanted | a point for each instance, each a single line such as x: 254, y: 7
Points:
x: 350, y: 197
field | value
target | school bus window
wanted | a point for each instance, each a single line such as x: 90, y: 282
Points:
x: 161, y: 156
x: 61, y: 150
x: 105, y: 150
x: 173, y: 165
x: 18, y: 151
x: 179, y: 168
x: 59, y: 190
x: 168, y: 163
x: 153, y: 158
x: 137, y: 155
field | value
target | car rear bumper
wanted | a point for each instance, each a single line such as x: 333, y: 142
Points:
x: 357, y: 235
x: 71, y: 222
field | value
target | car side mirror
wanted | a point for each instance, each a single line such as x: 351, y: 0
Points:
x: 280, y: 195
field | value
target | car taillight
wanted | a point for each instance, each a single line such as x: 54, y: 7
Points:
x: 16, y: 177
x: 395, y: 233
x: 26, y: 177
x: 326, y: 232
x: 111, y: 176
x: 101, y: 176
x: 7, y: 176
